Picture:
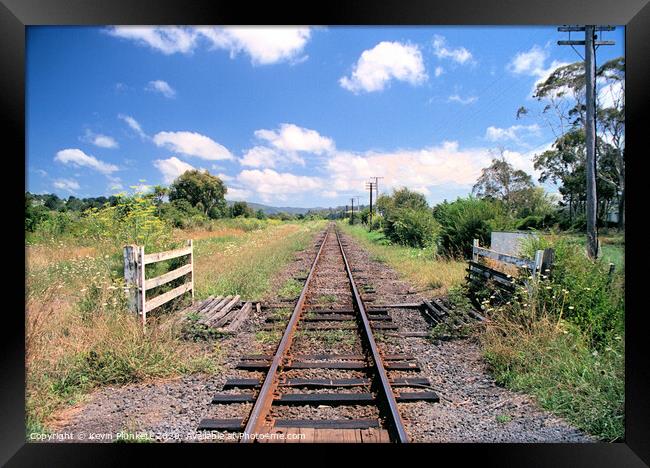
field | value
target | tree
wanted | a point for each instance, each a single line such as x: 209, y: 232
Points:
x: 241, y: 208
x: 201, y: 190
x: 563, y: 94
x: 501, y: 181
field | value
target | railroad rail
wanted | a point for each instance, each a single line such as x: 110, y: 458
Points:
x: 359, y: 402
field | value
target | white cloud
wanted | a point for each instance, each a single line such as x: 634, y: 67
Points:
x: 463, y: 101
x: 270, y: 184
x: 78, y: 158
x: 165, y: 39
x: 97, y: 139
x: 514, y: 133
x: 439, y: 71
x: 264, y: 45
x: 135, y: 126
x: 445, y: 165
x: 290, y: 137
x: 171, y: 168
x: 459, y: 55
x: 69, y: 185
x: 237, y: 194
x: 260, y: 156
x: 386, y: 61
x: 225, y: 177
x: 162, y: 87
x: 329, y: 194
x: 529, y: 63
x: 532, y: 63
x: 192, y: 144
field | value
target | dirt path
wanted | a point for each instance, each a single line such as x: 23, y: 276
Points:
x: 472, y: 408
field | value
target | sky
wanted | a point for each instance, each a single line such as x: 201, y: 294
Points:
x: 291, y: 116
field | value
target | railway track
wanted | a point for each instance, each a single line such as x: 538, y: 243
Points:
x: 328, y: 380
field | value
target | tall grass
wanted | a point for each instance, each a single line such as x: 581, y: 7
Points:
x: 563, y: 341
x: 420, y: 266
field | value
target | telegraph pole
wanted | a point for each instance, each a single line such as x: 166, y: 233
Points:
x: 352, y: 212
x: 370, y: 186
x: 376, y: 187
x: 590, y: 125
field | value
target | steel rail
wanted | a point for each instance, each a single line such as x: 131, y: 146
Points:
x: 264, y: 400
x: 396, y: 425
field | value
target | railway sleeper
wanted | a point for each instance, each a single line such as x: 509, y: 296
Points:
x: 330, y: 399
x: 349, y: 365
x: 324, y: 383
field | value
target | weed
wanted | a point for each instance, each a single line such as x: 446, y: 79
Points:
x: 268, y: 337
x: 503, y: 418
x: 290, y: 289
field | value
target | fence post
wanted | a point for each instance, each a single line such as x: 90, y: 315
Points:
x: 474, y: 250
x: 191, y: 245
x: 539, y: 255
x: 131, y: 276
x: 142, y: 293
x: 547, y: 260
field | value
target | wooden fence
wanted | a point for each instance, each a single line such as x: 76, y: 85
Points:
x: 135, y: 261
x: 543, y: 258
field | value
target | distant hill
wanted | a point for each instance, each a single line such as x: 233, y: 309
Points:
x: 269, y: 210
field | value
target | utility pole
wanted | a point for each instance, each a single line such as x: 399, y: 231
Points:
x: 370, y: 186
x: 376, y: 187
x: 352, y: 212
x: 590, y: 44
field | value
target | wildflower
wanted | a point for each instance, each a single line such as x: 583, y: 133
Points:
x: 571, y: 307
x: 548, y: 287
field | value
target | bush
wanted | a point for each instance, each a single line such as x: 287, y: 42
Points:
x: 411, y: 227
x: 467, y: 219
x: 581, y: 291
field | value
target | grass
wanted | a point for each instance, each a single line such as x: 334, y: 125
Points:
x: 244, y: 264
x: 290, y: 289
x: 551, y: 361
x: 419, y: 266
x: 612, y: 247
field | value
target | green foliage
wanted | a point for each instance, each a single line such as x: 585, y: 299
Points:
x: 132, y: 220
x: 241, y: 209
x: 180, y: 213
x: 290, y: 289
x: 467, y: 219
x: 411, y: 227
x: 202, y: 190
x: 581, y: 291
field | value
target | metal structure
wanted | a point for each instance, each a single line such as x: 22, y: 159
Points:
x: 264, y: 418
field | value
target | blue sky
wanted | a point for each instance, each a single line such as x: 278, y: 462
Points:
x: 286, y: 116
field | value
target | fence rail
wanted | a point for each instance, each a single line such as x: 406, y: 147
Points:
x: 135, y: 261
x: 543, y: 258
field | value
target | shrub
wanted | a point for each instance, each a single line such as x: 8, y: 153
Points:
x: 467, y: 219
x: 411, y: 227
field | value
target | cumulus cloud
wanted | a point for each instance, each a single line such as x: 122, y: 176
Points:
x: 533, y: 63
x: 386, y: 61
x: 166, y: 39
x: 461, y: 100
x: 445, y: 165
x: 238, y: 194
x: 162, y: 87
x: 171, y: 168
x: 192, y: 144
x: 459, y: 55
x: 69, y: 185
x: 290, y: 137
x: 78, y: 158
x: 513, y: 133
x: 260, y: 156
x: 133, y: 124
x: 439, y: 71
x: 264, y: 45
x: 97, y: 139
x: 269, y: 184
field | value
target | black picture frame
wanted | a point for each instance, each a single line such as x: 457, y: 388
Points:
x: 15, y: 15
